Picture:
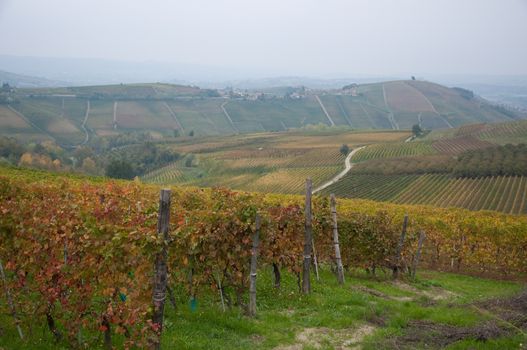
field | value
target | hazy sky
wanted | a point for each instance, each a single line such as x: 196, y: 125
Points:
x: 309, y: 37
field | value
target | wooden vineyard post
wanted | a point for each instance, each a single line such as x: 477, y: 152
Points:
x: 160, y: 268
x: 254, y: 256
x: 308, y: 237
x: 400, y: 248
x: 10, y: 302
x: 340, y: 269
x: 422, y: 237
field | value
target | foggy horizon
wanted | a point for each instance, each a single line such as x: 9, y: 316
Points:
x: 298, y: 38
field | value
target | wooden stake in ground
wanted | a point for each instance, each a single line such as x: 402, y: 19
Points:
x: 422, y: 237
x: 400, y: 248
x: 10, y: 302
x: 308, y: 237
x: 160, y: 268
x: 254, y: 256
x: 340, y: 268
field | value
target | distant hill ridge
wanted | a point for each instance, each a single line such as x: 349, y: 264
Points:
x: 68, y: 113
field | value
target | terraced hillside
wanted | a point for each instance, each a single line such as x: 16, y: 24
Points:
x: 59, y: 113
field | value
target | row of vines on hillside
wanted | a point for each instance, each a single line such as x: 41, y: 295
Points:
x: 78, y: 256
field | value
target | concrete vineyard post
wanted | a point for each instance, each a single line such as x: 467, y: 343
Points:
x: 315, y: 261
x: 254, y: 256
x: 308, y: 237
x: 422, y: 237
x: 340, y: 268
x: 160, y: 268
x: 400, y: 248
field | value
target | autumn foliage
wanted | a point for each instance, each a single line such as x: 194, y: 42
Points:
x: 80, y: 253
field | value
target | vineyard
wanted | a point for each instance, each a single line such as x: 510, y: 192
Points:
x: 506, y: 194
x: 499, y: 133
x: 389, y: 150
x: 78, y: 255
x: 274, y: 162
x: 162, y: 108
x: 461, y: 144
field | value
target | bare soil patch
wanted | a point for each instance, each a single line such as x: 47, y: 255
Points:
x: 339, y: 339
x: 508, y: 317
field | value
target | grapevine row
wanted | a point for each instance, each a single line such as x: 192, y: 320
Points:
x: 81, y: 253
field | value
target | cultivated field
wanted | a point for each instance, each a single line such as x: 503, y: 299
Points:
x: 272, y: 162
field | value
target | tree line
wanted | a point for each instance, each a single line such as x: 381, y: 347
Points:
x: 507, y: 160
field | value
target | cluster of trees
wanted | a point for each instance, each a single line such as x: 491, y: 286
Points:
x: 502, y: 160
x: 46, y: 155
x: 134, y: 156
x: 135, y: 160
x: 104, y: 144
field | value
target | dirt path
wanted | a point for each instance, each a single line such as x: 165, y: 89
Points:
x: 229, y: 117
x: 431, y: 106
x: 319, y: 338
x: 33, y: 125
x: 324, y: 110
x: 83, y: 125
x: 115, y: 114
x: 343, y: 110
x: 391, y: 117
x: 171, y: 111
x: 347, y: 167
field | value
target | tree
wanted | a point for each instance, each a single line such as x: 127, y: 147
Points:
x: 120, y: 169
x: 416, y: 129
x: 344, y: 149
x: 191, y: 133
x: 176, y: 133
x: 89, y: 166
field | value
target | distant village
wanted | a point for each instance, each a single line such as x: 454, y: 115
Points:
x: 292, y: 93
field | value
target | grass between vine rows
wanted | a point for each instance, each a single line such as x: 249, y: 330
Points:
x: 367, y: 312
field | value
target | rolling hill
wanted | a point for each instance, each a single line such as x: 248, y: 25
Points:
x: 71, y: 114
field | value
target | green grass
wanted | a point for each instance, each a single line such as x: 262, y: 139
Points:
x: 284, y: 313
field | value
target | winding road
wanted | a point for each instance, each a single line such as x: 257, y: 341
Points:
x: 347, y: 167
x: 83, y: 125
